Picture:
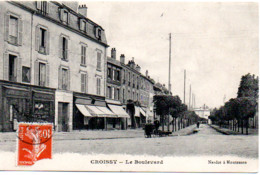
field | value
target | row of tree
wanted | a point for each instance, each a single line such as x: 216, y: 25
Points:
x: 167, y: 106
x: 238, y: 111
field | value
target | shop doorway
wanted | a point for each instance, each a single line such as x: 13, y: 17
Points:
x: 63, y: 117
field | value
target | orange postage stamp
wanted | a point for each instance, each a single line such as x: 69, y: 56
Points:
x: 34, y: 143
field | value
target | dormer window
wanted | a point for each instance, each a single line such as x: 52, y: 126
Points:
x: 83, y: 25
x: 42, y: 6
x: 98, y: 33
x: 64, y: 16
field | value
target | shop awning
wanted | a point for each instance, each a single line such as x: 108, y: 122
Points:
x: 106, y: 111
x: 100, y: 111
x: 83, y: 110
x: 137, y: 111
x: 94, y: 111
x: 142, y: 111
x: 118, y: 109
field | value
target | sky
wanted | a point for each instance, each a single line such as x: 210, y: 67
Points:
x: 216, y: 43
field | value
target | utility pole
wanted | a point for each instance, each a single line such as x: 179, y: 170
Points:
x: 169, y: 81
x: 184, y: 85
x: 190, y: 98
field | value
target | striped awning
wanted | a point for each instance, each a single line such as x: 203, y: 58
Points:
x: 118, y: 109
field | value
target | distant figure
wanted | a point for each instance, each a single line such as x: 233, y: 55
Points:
x: 148, y: 129
x: 156, y: 125
x: 198, y: 124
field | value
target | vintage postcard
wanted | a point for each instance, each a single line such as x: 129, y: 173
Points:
x: 129, y: 86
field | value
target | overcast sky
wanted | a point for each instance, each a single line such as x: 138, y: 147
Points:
x: 216, y: 43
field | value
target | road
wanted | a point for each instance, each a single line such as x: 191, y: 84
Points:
x: 206, y: 141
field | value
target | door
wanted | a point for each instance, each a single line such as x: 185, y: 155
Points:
x: 63, y: 117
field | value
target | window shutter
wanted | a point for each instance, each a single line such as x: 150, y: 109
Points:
x: 6, y: 65
x: 19, y: 69
x: 68, y: 78
x: 47, y: 7
x: 67, y: 50
x: 68, y: 17
x: 47, y: 42
x: 47, y: 75
x: 86, y: 83
x: 36, y: 73
x: 81, y: 27
x: 60, y: 78
x: 20, y: 32
x: 38, y: 5
x: 82, y: 83
x: 7, y: 18
x: 37, y: 38
x: 60, y: 45
x: 62, y: 15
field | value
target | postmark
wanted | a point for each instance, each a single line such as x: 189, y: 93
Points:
x: 34, y: 142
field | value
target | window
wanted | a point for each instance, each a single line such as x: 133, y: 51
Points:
x: 133, y: 95
x: 118, y: 75
x: 129, y: 94
x: 64, y: 79
x: 42, y: 6
x: 84, y: 83
x: 43, y: 39
x: 64, y: 48
x: 129, y: 78
x: 83, y: 55
x: 42, y: 74
x: 83, y: 25
x: 99, y: 61
x: 109, y: 92
x: 123, y: 95
x: 13, y: 30
x: 98, y: 86
x: 118, y: 94
x: 12, y: 68
x: 109, y: 73
x: 137, y: 97
x: 115, y: 94
x: 98, y: 33
x: 115, y: 74
x: 64, y: 16
x: 26, y: 74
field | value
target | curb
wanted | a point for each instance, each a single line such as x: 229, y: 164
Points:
x: 219, y: 130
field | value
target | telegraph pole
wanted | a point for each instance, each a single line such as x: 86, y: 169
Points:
x: 169, y: 81
x: 184, y: 85
x: 190, y: 98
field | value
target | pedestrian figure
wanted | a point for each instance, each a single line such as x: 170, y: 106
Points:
x: 156, y: 125
x: 148, y: 129
x: 198, y: 124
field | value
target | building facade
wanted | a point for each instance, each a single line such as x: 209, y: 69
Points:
x: 53, y: 59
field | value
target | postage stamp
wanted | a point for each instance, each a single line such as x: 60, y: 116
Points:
x: 34, y: 143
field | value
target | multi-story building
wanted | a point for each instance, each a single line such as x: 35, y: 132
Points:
x: 113, y: 93
x: 52, y: 66
x: 136, y: 89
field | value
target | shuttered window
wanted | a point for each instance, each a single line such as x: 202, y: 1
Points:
x: 84, y: 83
x: 42, y: 6
x: 65, y: 76
x: 99, y: 61
x: 98, y: 86
x: 83, y: 55
x: 64, y: 49
x: 13, y: 29
x: 42, y: 39
x: 42, y: 74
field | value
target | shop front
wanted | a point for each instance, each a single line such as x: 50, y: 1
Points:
x: 24, y: 103
x: 117, y: 108
x: 91, y: 112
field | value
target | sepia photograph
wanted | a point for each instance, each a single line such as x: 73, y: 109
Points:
x: 129, y: 86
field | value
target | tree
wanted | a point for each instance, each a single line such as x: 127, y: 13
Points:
x: 248, y: 86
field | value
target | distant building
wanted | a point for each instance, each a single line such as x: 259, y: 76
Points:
x: 203, y: 112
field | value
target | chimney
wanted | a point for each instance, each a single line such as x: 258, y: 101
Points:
x: 146, y: 73
x: 83, y: 10
x: 122, y: 58
x: 138, y: 68
x: 113, y: 53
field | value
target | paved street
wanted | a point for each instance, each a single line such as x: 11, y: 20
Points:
x: 206, y: 141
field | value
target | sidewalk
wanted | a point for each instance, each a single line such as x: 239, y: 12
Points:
x: 97, y: 134
x: 230, y: 132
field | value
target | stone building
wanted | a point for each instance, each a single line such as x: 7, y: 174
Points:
x: 114, y: 94
x: 52, y: 66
